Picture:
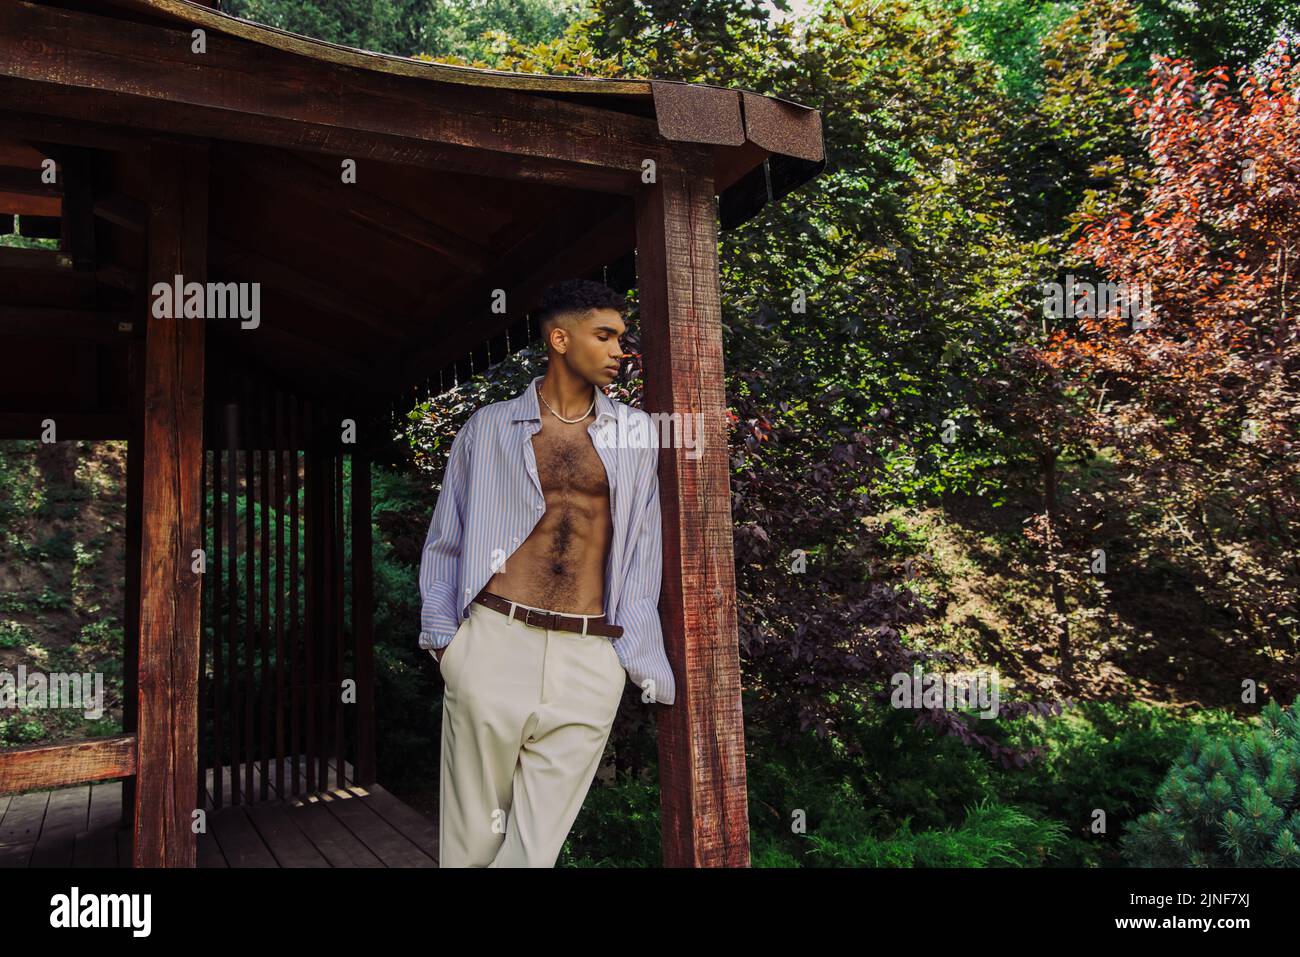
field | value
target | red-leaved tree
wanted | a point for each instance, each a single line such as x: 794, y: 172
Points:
x: 1205, y: 387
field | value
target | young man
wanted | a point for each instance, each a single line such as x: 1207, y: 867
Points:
x: 540, y: 585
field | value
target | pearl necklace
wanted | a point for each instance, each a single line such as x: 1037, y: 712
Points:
x: 562, y: 418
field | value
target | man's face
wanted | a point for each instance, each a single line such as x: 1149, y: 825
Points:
x: 595, y: 347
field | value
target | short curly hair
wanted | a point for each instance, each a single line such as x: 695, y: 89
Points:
x: 570, y: 296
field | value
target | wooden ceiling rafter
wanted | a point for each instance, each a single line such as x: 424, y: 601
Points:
x: 234, y: 260
x: 291, y: 173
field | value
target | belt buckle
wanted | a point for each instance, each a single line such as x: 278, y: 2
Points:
x: 542, y: 616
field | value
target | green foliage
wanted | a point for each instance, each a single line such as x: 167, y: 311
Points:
x: 14, y: 634
x: 907, y: 797
x: 58, y: 546
x: 105, y: 632
x: 21, y: 492
x: 902, y: 538
x: 18, y: 730
x: 992, y: 835
x: 49, y: 600
x: 17, y: 240
x: 1102, y: 756
x: 618, y: 827
x: 1232, y: 33
x: 1008, y: 33
x: 1228, y: 801
x: 464, y: 31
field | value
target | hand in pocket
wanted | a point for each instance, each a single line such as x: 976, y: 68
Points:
x: 441, y: 653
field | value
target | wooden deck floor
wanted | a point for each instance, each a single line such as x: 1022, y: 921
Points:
x: 341, y: 827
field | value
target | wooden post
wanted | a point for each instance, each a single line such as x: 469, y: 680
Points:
x: 363, y: 631
x: 134, y: 519
x: 171, y: 473
x: 701, y: 735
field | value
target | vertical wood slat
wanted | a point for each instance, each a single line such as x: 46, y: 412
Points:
x: 218, y: 699
x: 134, y: 513
x: 326, y: 592
x: 264, y: 581
x: 362, y: 617
x: 311, y: 530
x: 328, y: 690
x: 235, y: 434
x: 205, y: 614
x: 166, y: 738
x: 250, y: 598
x: 295, y: 625
x: 266, y: 420
x: 703, y: 792
x: 280, y: 444
x: 340, y: 740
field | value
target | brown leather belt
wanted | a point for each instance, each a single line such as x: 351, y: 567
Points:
x: 549, y: 619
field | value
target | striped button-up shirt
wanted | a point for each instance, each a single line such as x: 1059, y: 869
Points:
x: 492, y: 499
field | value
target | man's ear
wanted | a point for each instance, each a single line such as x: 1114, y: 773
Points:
x: 560, y: 346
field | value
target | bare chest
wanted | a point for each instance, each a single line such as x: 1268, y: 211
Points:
x: 567, y: 461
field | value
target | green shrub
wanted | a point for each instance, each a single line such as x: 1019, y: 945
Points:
x: 57, y: 546
x: 20, y: 730
x: 1228, y: 802
x: 102, y: 632
x: 14, y: 634
x: 993, y: 835
x: 1103, y: 756
x: 49, y: 599
x: 618, y: 826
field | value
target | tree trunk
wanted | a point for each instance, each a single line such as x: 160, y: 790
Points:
x: 1064, y: 653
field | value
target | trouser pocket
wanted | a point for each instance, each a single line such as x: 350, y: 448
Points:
x: 453, y: 648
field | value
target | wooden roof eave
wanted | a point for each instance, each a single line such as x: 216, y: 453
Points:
x: 49, y: 72
x: 684, y: 112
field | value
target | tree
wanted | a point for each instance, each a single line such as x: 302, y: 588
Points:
x: 1207, y: 388
x: 1231, y: 802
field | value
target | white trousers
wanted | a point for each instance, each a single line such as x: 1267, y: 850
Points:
x: 525, y: 716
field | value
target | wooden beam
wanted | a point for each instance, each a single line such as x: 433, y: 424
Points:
x: 119, y: 277
x: 171, y: 480
x: 240, y: 262
x: 179, y: 122
x: 20, y: 179
x: 122, y: 211
x: 58, y: 765
x: 497, y: 131
x: 85, y: 324
x: 74, y: 132
x: 77, y: 175
x: 96, y: 426
x: 701, y: 735
x: 33, y: 259
x: 15, y: 151
x: 25, y: 204
x: 292, y: 174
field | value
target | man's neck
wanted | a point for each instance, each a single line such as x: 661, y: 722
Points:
x: 568, y: 396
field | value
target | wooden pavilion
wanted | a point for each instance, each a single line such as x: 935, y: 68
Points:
x: 383, y: 206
